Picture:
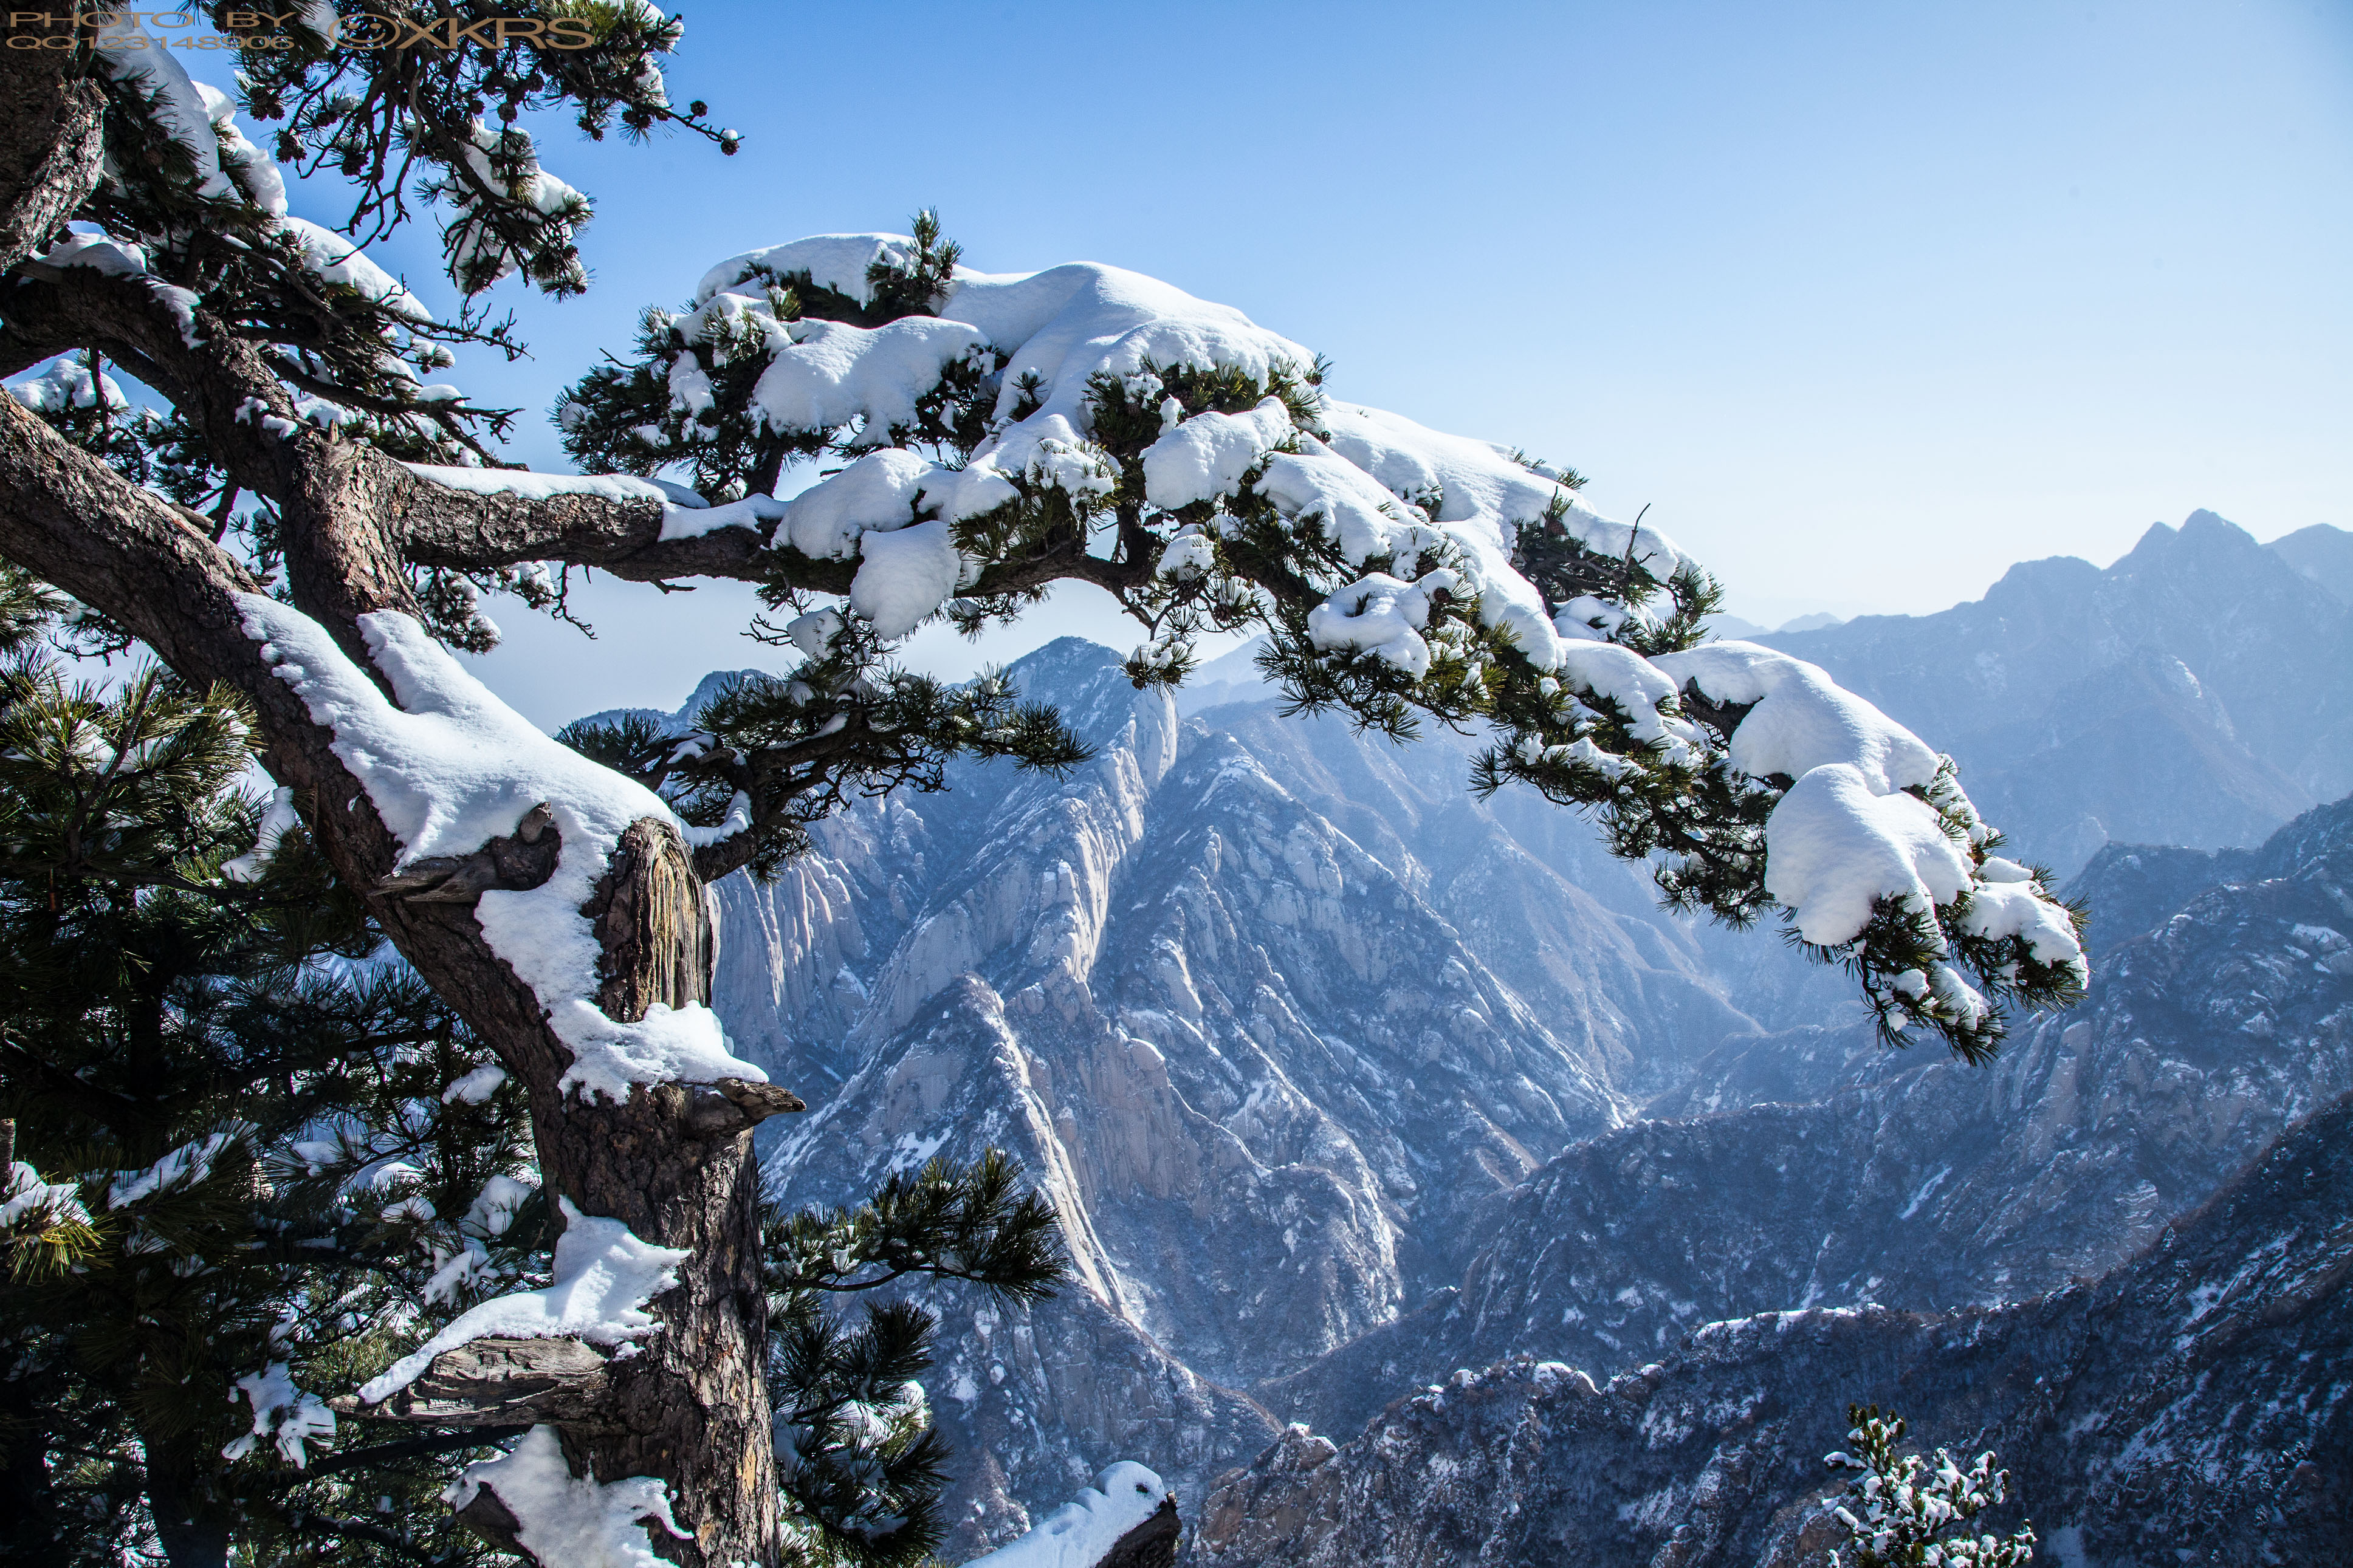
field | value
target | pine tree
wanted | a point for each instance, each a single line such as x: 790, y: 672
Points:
x: 246, y: 1144
x: 295, y: 517
x: 230, y: 1109
x: 1906, y: 1512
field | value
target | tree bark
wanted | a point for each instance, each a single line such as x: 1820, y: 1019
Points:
x: 192, y: 1528
x: 50, y: 158
x: 692, y: 1409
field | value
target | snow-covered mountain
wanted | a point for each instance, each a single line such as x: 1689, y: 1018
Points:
x: 2199, y: 692
x: 2188, y: 1406
x: 1342, y: 1080
x: 1274, y: 1012
x: 1813, y: 1168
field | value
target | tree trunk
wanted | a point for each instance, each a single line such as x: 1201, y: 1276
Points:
x: 692, y: 1407
x: 191, y: 1527
x: 674, y: 1162
x: 49, y: 158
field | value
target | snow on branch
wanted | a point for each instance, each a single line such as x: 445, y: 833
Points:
x: 26, y: 1199
x: 287, y: 1416
x: 561, y: 1518
x: 452, y: 767
x: 992, y: 432
x: 604, y: 1275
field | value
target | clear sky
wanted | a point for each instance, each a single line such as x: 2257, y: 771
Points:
x: 1865, y: 302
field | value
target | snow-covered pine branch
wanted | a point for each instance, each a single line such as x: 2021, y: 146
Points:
x: 998, y: 431
x: 994, y: 435
x: 1906, y: 1510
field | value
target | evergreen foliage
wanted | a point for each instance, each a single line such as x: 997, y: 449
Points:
x: 255, y: 1160
x: 200, y: 1042
x: 860, y: 1462
x: 782, y: 753
x: 687, y: 402
x: 1906, y: 1512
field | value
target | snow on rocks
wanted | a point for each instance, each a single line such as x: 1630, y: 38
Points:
x: 1081, y: 1532
x: 575, y: 1520
x: 452, y: 767
x: 604, y: 1275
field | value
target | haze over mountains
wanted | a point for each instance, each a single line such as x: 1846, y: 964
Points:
x: 2198, y: 691
x: 1341, y: 1080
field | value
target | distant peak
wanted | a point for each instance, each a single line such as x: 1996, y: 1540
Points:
x: 2201, y: 531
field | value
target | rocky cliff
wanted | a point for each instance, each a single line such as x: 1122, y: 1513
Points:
x: 1342, y: 1081
x: 1815, y: 1168
x: 1274, y: 1018
x: 2191, y: 1405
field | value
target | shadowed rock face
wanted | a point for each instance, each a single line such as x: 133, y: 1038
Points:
x: 1814, y: 1168
x: 2192, y: 1406
x: 1271, y: 1079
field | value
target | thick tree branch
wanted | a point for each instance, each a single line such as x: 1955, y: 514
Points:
x: 502, y: 1383
x: 461, y: 531
x: 215, y: 384
x: 49, y: 149
x: 71, y: 520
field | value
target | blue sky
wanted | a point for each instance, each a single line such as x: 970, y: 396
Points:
x: 1865, y: 302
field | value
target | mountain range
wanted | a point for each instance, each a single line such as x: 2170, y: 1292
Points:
x: 1343, y: 1082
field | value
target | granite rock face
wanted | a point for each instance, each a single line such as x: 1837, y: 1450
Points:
x: 1273, y: 1079
x: 2191, y: 1405
x: 1342, y: 1081
x: 1815, y: 1168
